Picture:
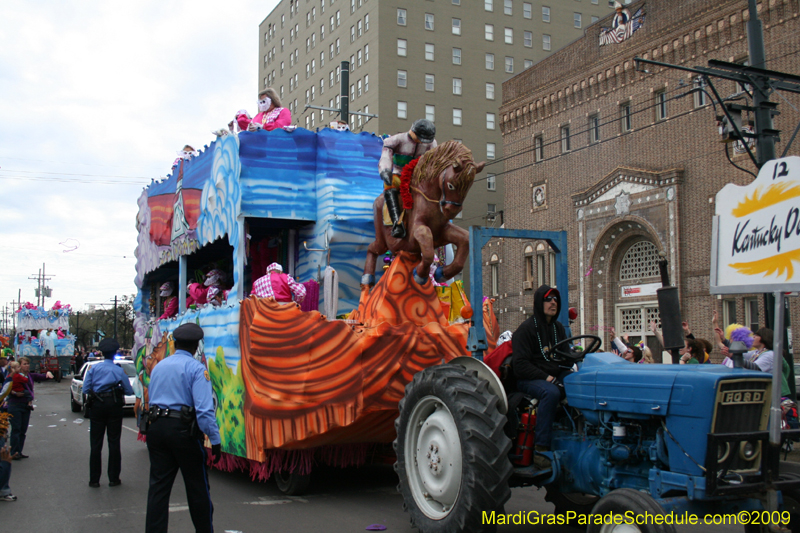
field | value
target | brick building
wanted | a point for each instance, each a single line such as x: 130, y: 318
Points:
x: 629, y: 163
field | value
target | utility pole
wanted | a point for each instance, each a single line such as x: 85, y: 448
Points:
x: 42, y: 291
x: 115, y: 317
x: 344, y: 98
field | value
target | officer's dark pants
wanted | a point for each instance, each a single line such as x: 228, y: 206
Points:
x: 172, y: 449
x: 106, y: 419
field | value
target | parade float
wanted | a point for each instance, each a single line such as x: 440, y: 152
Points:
x: 38, y: 331
x: 293, y: 385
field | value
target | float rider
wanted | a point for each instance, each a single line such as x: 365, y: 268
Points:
x: 398, y: 151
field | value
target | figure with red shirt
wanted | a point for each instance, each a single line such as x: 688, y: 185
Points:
x: 270, y: 113
x: 279, y: 286
x: 170, y: 302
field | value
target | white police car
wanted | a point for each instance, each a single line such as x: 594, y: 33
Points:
x: 76, y: 397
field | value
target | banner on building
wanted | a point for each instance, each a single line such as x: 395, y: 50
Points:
x: 756, y: 232
x: 643, y: 289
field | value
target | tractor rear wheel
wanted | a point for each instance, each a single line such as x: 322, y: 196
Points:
x: 791, y: 503
x: 292, y: 483
x: 452, y: 454
x: 621, y: 501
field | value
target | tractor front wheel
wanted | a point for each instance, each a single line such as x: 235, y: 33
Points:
x: 452, y: 454
x: 572, y: 502
x: 292, y: 484
x: 622, y: 501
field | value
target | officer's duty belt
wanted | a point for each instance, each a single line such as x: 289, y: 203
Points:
x: 164, y: 412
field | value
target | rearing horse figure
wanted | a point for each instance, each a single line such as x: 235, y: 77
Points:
x: 438, y: 186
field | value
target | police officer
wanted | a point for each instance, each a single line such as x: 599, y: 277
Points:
x: 181, y: 410
x: 105, y: 385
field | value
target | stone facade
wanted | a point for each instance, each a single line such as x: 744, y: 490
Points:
x: 629, y: 163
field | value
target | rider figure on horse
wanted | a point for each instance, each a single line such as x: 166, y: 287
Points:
x: 398, y: 151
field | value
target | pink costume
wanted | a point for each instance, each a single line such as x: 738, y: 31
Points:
x: 198, y: 294
x: 170, y: 308
x: 277, y: 118
x: 278, y: 285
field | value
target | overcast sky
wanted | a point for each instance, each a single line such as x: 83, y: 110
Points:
x: 96, y: 98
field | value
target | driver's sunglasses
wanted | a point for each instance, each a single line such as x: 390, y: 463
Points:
x: 551, y: 299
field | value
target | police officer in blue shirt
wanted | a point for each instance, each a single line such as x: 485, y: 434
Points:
x: 105, y: 385
x: 181, y: 411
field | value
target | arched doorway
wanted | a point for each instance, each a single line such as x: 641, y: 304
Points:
x: 636, y: 303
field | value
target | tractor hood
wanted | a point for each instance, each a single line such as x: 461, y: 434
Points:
x: 606, y: 382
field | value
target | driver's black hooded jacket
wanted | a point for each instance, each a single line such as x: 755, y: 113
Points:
x: 533, y: 341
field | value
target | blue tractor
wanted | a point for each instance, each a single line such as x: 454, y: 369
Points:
x: 630, y: 441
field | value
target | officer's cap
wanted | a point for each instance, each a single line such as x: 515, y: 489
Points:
x: 108, y: 346
x: 188, y: 332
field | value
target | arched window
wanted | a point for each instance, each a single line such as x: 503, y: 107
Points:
x: 528, y: 253
x: 640, y: 261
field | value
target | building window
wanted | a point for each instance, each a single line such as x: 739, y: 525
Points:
x: 490, y: 121
x: 527, y: 39
x: 430, y: 113
x: 429, y: 52
x: 366, y: 53
x: 661, y: 105
x: 509, y: 65
x: 337, y: 47
x: 626, y: 118
x: 528, y: 253
x: 700, y: 97
x: 545, y: 14
x: 352, y: 92
x: 456, y: 2
x: 489, y: 61
x: 313, y: 66
x: 507, y: 7
x: 538, y: 148
x: 338, y: 18
x: 402, y: 109
x: 402, y: 47
x: 359, y: 56
x: 565, y: 144
x: 352, y: 6
x: 429, y: 82
x: 352, y: 34
x: 527, y: 10
x: 751, y: 313
x: 456, y: 29
x: 728, y: 313
x: 456, y: 56
x: 358, y: 88
x: 490, y: 150
x: 595, y: 19
x: 429, y: 21
x: 488, y: 32
x: 594, y: 128
x: 321, y: 59
x: 490, y: 91
x: 491, y: 182
x: 545, y: 42
x: 509, y: 35
x: 366, y: 84
x: 640, y: 261
x: 330, y: 80
x: 495, y: 264
x: 352, y: 63
x: 359, y: 28
x: 457, y: 86
x: 552, y: 264
x: 576, y: 20
x: 402, y: 16
x: 456, y: 117
x: 488, y: 5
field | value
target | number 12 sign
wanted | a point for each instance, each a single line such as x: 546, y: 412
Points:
x: 756, y: 232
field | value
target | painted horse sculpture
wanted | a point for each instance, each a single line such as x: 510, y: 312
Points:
x: 438, y: 185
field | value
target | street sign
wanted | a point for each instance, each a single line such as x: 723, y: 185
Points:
x: 756, y: 232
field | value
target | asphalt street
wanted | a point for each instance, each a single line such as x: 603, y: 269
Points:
x: 54, y: 496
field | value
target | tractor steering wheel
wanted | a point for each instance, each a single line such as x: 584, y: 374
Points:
x: 563, y: 349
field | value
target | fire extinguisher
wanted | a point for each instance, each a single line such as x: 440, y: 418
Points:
x: 525, y: 438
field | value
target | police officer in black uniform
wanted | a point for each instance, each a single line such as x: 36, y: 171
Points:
x: 105, y: 385
x: 181, y: 411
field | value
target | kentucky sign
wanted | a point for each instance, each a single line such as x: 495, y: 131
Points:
x: 756, y: 232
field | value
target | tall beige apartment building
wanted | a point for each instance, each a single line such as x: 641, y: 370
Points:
x: 444, y: 60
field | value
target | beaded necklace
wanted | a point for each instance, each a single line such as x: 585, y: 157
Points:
x: 538, y: 338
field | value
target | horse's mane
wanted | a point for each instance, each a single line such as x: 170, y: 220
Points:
x: 434, y: 162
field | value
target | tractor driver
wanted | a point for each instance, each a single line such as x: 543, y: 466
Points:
x: 538, y: 374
